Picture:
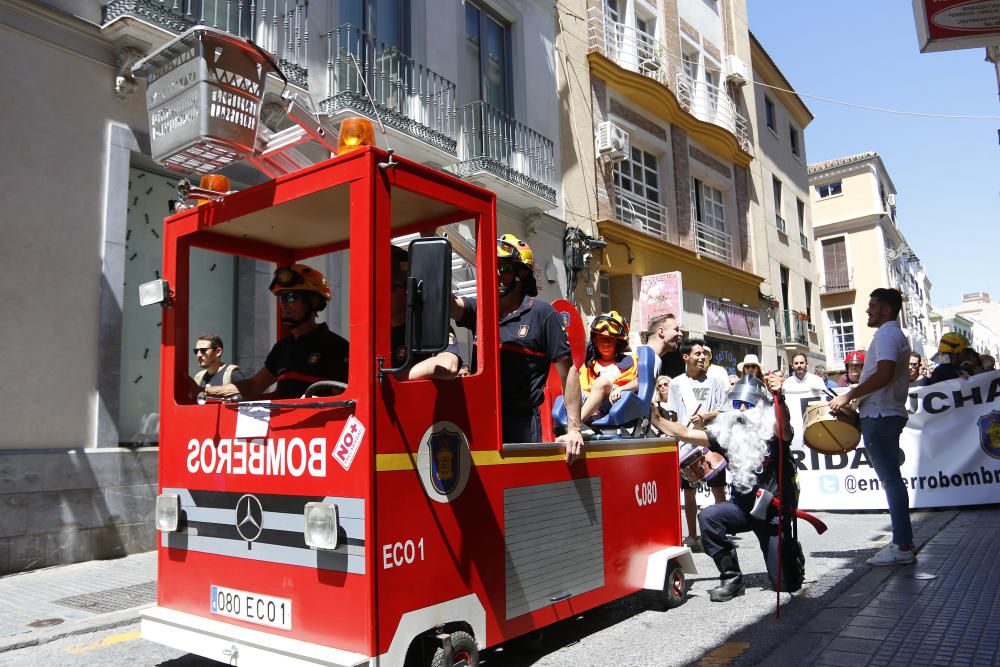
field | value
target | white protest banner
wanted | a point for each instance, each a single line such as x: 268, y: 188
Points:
x: 951, y: 450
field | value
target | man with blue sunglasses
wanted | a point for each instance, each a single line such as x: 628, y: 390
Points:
x: 747, y: 433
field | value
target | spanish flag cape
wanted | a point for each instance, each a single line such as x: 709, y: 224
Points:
x: 628, y: 364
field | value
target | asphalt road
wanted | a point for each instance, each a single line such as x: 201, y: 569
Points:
x: 627, y: 632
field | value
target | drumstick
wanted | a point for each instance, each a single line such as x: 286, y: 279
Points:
x: 696, y: 409
x: 829, y: 392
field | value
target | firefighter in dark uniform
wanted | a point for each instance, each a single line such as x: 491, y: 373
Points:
x: 442, y: 365
x: 531, y: 338
x: 746, y: 432
x: 311, y: 353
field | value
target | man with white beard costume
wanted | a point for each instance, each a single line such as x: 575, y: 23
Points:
x: 746, y: 433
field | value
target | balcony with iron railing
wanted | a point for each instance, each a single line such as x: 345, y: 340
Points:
x: 506, y: 156
x: 837, y: 280
x: 712, y: 104
x: 407, y: 96
x: 779, y: 222
x: 639, y: 212
x: 280, y: 27
x: 713, y: 242
x: 796, y: 328
x: 628, y: 47
x: 803, y: 241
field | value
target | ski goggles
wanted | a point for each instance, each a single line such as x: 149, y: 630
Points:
x: 604, y: 324
x: 506, y: 267
x: 749, y: 405
x: 506, y: 250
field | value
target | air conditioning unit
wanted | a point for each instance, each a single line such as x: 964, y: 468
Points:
x: 612, y: 141
x: 891, y: 200
x: 736, y: 70
x: 649, y: 65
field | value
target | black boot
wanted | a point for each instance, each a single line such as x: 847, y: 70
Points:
x: 731, y: 579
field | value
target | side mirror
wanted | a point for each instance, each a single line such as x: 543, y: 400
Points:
x: 428, y: 291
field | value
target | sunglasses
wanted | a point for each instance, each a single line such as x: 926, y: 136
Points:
x: 291, y: 297
x: 663, y: 385
x: 740, y: 404
x: 202, y: 350
x: 606, y: 324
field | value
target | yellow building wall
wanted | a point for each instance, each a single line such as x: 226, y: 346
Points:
x: 859, y: 198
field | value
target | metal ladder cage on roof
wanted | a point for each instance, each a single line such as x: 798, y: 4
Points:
x: 204, y: 94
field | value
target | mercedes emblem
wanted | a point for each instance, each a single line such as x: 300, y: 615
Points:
x: 249, y: 517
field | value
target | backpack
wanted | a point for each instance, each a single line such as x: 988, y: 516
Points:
x: 225, y: 369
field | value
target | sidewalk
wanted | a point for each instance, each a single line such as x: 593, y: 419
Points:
x: 942, y: 610
x: 44, y: 605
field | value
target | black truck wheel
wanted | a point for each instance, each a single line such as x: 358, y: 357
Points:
x: 674, y: 592
x: 464, y: 652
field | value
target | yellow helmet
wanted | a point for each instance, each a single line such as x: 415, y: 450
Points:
x: 509, y: 245
x: 953, y: 343
x: 300, y: 278
x: 610, y: 324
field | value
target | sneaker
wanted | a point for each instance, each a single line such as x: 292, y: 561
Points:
x: 892, y: 555
x: 694, y: 544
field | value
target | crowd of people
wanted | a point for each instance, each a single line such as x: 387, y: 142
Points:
x: 740, y: 416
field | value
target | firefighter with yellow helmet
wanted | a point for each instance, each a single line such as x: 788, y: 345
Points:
x: 953, y: 349
x: 531, y: 339
x: 309, y: 354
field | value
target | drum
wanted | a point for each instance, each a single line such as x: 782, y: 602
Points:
x: 699, y: 464
x: 831, y: 433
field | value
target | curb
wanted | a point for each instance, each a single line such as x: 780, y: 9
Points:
x: 109, y: 621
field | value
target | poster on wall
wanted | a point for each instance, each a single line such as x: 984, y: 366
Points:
x: 950, y: 448
x: 659, y: 294
x: 726, y: 318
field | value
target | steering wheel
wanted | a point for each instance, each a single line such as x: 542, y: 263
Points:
x: 325, y: 388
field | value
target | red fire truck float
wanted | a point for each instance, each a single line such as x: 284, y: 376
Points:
x: 388, y: 524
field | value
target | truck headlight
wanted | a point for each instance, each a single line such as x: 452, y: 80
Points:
x: 168, y: 512
x: 322, y: 525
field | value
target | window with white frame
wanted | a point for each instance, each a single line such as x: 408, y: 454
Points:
x: 709, y: 206
x: 612, y: 10
x: 645, y: 37
x: 712, y: 71
x: 841, y: 323
x: 829, y: 189
x: 779, y: 220
x: 637, y: 191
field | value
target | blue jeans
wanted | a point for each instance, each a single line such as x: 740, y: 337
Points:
x: 882, y: 442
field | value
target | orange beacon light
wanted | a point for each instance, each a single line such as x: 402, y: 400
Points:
x: 354, y: 133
